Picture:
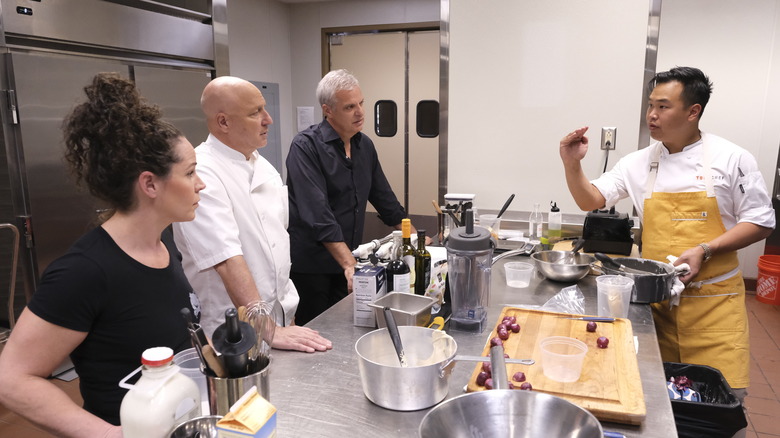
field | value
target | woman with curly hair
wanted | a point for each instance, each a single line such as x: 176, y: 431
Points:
x: 120, y: 288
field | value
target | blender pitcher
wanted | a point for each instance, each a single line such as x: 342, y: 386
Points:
x: 469, y: 259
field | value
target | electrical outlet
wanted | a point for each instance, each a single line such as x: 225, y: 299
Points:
x: 608, y: 136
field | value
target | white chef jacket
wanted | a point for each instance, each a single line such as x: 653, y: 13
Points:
x: 242, y: 211
x: 739, y: 186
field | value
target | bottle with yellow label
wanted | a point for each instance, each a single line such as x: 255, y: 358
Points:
x: 407, y: 252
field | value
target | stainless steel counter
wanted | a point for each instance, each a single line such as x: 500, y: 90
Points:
x: 320, y: 395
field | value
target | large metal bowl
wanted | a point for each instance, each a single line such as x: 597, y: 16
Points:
x: 509, y: 413
x: 566, y: 266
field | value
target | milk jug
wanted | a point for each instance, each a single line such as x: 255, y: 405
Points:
x: 162, y: 398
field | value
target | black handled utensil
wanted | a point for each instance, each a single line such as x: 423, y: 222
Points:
x: 612, y: 264
x: 233, y: 340
x: 392, y: 328
x: 506, y: 205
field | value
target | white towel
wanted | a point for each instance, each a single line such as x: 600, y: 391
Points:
x: 678, y: 286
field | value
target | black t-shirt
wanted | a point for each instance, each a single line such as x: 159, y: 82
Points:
x: 125, y: 306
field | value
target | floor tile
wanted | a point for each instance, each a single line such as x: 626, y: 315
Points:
x: 763, y: 423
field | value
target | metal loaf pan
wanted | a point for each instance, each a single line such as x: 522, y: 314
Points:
x: 407, y: 308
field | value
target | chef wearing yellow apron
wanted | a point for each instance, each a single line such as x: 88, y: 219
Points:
x: 709, y: 327
x: 700, y: 198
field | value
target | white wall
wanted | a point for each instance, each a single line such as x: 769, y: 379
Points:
x: 744, y: 66
x: 522, y: 75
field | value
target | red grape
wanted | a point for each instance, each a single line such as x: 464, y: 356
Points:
x: 519, y: 377
x: 602, y: 342
x: 489, y: 383
x: 526, y: 386
x: 486, y: 367
x: 502, y: 327
x: 482, y: 377
x: 515, y: 327
x: 509, y: 319
x: 503, y: 334
x: 496, y: 341
x: 591, y: 327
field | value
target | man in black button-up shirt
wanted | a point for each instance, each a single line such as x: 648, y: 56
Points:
x: 332, y: 171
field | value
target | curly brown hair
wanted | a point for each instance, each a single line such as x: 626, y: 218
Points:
x: 114, y: 136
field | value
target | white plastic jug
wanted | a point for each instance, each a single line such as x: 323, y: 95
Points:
x: 162, y: 398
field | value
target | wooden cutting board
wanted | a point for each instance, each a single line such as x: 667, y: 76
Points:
x: 609, y: 386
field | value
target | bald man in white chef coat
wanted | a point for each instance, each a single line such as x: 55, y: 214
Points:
x: 700, y: 198
x: 237, y: 249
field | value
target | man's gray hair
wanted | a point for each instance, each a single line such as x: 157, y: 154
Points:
x: 332, y: 82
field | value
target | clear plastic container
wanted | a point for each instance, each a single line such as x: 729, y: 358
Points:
x: 518, y: 274
x: 562, y: 358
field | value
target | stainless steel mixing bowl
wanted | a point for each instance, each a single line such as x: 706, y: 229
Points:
x: 509, y: 413
x: 566, y: 266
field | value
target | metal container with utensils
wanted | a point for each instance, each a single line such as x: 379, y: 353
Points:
x: 420, y: 385
x: 565, y: 266
x: 225, y: 392
x: 509, y: 413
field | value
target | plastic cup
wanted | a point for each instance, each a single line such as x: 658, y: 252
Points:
x: 614, y: 295
x: 562, y: 358
x: 518, y: 274
x: 490, y: 221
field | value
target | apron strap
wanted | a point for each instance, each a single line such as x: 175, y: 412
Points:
x: 654, y: 158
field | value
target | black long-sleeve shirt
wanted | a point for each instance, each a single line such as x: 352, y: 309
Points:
x: 328, y: 193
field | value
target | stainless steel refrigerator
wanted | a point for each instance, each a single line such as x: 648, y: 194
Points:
x: 50, y: 51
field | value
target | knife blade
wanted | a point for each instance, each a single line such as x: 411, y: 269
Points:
x: 591, y: 318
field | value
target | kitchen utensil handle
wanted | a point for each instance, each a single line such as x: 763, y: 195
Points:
x: 607, y: 260
x: 506, y: 205
x: 613, y: 435
x: 392, y: 328
x: 465, y: 358
x: 498, y: 365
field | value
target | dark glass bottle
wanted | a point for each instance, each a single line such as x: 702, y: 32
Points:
x: 398, y: 272
x: 422, y: 265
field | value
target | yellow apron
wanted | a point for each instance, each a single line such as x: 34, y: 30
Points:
x: 709, y: 327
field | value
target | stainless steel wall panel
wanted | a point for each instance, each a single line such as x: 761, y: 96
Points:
x: 103, y: 24
x: 177, y: 92
x: 47, y: 87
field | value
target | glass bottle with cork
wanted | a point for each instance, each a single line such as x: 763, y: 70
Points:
x: 535, y: 224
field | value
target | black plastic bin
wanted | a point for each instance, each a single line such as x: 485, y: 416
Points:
x: 718, y: 414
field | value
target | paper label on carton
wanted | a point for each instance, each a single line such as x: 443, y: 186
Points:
x: 368, y: 284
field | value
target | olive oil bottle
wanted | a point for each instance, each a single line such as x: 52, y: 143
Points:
x: 422, y: 264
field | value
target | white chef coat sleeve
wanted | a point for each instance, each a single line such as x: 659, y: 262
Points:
x: 751, y: 200
x: 612, y: 184
x: 213, y: 236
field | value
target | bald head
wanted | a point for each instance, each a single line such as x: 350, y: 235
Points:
x: 235, y: 113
